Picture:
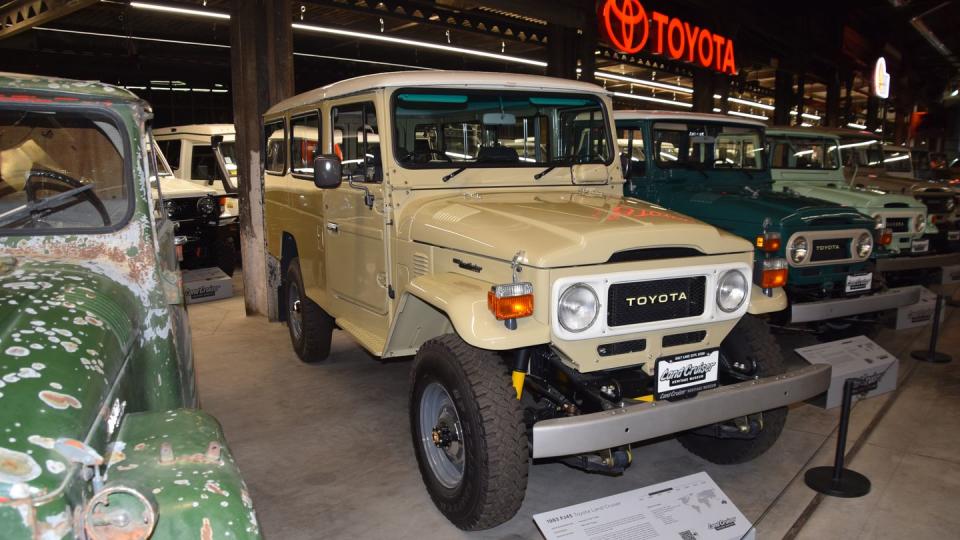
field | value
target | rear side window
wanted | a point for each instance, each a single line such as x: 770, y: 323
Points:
x: 304, y: 140
x: 275, y: 159
x: 202, y: 163
x: 171, y: 150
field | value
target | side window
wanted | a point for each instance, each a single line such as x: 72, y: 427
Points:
x: 304, y: 139
x: 171, y: 149
x: 274, y: 147
x: 203, y: 164
x: 356, y: 141
x: 631, y: 147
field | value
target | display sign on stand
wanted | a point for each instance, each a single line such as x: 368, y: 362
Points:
x: 687, y: 508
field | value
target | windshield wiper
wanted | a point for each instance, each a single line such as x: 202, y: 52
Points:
x: 34, y: 207
x: 450, y: 176
x: 544, y: 172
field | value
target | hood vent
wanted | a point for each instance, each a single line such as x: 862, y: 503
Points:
x: 896, y: 205
x: 654, y: 254
x: 421, y: 265
x: 830, y: 220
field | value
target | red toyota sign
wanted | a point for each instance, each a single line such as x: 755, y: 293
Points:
x: 627, y: 26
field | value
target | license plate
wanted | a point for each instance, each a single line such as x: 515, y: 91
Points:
x: 953, y: 236
x: 683, y: 374
x: 859, y: 283
x: 920, y: 246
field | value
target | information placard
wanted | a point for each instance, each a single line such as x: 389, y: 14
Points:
x: 688, y: 508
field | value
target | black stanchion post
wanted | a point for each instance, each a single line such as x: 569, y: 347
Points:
x: 931, y: 354
x: 837, y: 480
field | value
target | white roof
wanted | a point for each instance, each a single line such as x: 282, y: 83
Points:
x: 434, y: 78
x: 680, y: 115
x: 800, y: 131
x: 197, y: 129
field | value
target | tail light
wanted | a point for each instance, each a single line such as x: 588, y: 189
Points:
x: 768, y: 241
x: 511, y: 300
x: 773, y: 273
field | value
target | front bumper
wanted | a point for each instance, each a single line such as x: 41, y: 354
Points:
x: 617, y: 427
x: 801, y: 312
x: 903, y: 263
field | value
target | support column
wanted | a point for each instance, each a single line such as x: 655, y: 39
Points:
x: 873, y: 108
x: 832, y: 113
x: 847, y: 115
x: 702, y: 90
x: 261, y: 60
x: 783, y: 96
x: 562, y: 51
x: 798, y: 101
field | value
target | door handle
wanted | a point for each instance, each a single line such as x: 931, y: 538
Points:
x: 333, y: 227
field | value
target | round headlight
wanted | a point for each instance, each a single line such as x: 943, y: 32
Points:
x: 119, y: 511
x: 207, y: 206
x: 578, y: 308
x: 798, y: 249
x: 731, y: 291
x: 920, y: 223
x: 864, y: 245
x: 879, y: 219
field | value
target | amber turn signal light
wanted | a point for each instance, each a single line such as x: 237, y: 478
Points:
x: 768, y: 241
x: 886, y: 237
x: 511, y: 300
x: 773, y: 273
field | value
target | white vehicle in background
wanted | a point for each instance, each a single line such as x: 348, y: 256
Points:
x: 205, y: 155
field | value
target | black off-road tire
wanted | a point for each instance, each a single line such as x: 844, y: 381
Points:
x: 750, y: 341
x: 312, y: 342
x: 494, y: 479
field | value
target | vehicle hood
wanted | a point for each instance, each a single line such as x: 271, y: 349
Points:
x: 857, y: 198
x: 64, y: 332
x: 557, y: 229
x: 175, y: 188
x: 741, y: 209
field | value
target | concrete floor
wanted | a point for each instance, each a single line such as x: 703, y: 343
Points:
x: 326, y: 448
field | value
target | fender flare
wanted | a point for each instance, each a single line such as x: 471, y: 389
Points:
x: 761, y: 303
x: 439, y: 304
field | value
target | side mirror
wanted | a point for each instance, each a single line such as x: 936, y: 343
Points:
x: 625, y: 164
x: 327, y: 173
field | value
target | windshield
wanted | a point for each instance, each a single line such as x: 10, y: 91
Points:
x: 61, y: 169
x: 707, y: 145
x: 861, y: 153
x: 805, y: 153
x: 228, y: 149
x: 439, y: 128
x: 897, y: 160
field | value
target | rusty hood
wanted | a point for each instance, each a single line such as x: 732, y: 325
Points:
x: 64, y: 335
x: 558, y: 229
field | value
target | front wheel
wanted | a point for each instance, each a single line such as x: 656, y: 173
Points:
x: 311, y: 328
x: 749, y: 351
x: 468, y: 433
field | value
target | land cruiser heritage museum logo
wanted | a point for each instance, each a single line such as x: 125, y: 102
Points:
x: 626, y: 25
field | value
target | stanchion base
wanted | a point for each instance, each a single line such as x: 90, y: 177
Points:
x: 851, y: 484
x: 931, y: 356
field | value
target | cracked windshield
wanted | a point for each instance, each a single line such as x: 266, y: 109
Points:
x: 488, y: 128
x: 60, y: 170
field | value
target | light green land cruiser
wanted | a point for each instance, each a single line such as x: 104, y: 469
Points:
x: 476, y: 222
x: 808, y: 162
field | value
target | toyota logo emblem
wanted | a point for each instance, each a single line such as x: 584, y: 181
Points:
x: 626, y: 24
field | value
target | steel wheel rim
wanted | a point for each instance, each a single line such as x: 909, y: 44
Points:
x: 295, y: 316
x: 438, y: 411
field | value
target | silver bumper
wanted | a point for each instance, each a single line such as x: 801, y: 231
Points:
x: 899, y: 264
x: 617, y: 427
x: 845, y: 307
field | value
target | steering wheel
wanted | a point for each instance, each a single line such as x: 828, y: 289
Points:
x: 60, y: 184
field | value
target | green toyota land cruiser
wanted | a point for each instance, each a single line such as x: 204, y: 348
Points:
x: 712, y: 167
x: 102, y: 438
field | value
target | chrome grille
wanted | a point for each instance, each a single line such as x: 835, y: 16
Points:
x: 898, y: 224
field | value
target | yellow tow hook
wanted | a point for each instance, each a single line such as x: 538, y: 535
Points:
x: 518, y: 378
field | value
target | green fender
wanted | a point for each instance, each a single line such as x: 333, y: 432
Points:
x: 180, y: 460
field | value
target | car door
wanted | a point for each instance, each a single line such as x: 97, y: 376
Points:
x: 354, y: 226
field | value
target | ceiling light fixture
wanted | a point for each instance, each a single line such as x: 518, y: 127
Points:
x: 752, y: 103
x: 180, y: 11
x: 136, y: 38
x: 415, y: 43
x: 654, y: 100
x: 641, y: 82
x: 324, y: 57
x: 856, y: 126
x: 748, y: 115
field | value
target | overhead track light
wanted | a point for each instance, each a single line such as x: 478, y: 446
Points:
x: 180, y: 11
x: 654, y: 100
x: 642, y: 82
x: 748, y: 115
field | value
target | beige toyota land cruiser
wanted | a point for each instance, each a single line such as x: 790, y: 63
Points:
x: 476, y: 222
